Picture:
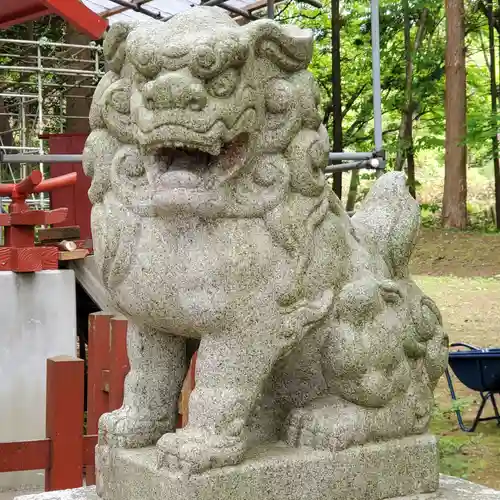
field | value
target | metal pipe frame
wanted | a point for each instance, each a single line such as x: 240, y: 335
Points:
x: 139, y: 8
x: 39, y: 158
x: 376, y: 85
x: 370, y: 164
x: 270, y: 9
x: 50, y: 44
x: 230, y: 8
x: 369, y: 161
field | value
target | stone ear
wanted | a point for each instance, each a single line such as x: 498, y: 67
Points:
x: 114, y: 45
x: 289, y: 47
x: 389, y: 220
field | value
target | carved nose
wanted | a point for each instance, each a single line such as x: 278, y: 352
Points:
x: 176, y: 91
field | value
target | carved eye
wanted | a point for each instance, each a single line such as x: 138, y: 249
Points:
x: 224, y: 84
x: 120, y: 101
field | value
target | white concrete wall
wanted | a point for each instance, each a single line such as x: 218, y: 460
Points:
x: 37, y: 321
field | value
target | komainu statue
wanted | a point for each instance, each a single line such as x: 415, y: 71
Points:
x: 212, y: 220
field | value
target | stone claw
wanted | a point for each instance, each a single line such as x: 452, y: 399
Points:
x: 325, y: 427
x: 194, y: 451
x: 130, y: 428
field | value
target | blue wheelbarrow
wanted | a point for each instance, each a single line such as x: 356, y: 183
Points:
x: 479, y: 370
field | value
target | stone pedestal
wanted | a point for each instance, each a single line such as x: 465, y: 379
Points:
x: 450, y: 488
x: 278, y: 472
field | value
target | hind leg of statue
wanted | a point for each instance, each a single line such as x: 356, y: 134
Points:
x: 151, y: 392
x: 232, y: 367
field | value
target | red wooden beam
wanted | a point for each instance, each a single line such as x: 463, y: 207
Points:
x: 89, y: 444
x: 64, y: 414
x: 14, y: 12
x: 20, y: 11
x: 119, y: 364
x: 25, y: 455
x: 98, y: 363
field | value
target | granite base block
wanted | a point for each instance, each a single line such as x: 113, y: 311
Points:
x: 278, y: 472
x: 87, y: 493
x: 451, y: 488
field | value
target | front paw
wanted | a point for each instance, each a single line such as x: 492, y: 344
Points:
x: 192, y: 451
x: 130, y: 428
x: 325, y: 428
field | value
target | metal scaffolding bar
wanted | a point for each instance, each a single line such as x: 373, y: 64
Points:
x: 139, y: 8
x: 349, y: 156
x: 371, y: 164
x: 377, y: 98
x: 368, y: 160
x: 270, y: 9
x: 39, y: 158
x: 230, y: 8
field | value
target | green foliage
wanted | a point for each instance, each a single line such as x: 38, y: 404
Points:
x: 428, y: 83
x: 456, y: 451
x: 356, y: 69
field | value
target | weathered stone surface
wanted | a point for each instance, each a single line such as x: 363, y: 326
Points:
x: 278, y: 472
x: 87, y: 493
x: 212, y: 220
x: 451, y: 488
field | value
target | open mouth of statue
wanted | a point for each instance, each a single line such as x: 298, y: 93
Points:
x: 183, y: 166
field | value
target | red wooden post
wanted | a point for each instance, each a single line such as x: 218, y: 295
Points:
x: 119, y: 364
x: 98, y: 367
x: 75, y: 198
x: 64, y: 414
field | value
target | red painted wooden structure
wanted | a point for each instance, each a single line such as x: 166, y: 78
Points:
x: 19, y: 252
x: 73, y: 197
x: 67, y: 455
x: 65, y: 450
x: 14, y: 12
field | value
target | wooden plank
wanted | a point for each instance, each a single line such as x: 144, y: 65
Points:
x: 187, y: 388
x: 75, y: 197
x: 24, y: 455
x: 64, y: 415
x: 89, y: 444
x: 80, y: 16
x: 79, y: 253
x: 119, y: 364
x: 98, y: 363
x: 59, y: 233
x: 105, y: 376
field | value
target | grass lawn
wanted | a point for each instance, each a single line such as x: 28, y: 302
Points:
x: 461, y: 272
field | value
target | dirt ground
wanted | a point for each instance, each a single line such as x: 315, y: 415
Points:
x: 461, y: 272
x: 461, y: 254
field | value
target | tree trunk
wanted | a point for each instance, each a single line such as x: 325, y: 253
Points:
x: 455, y: 180
x: 78, y: 99
x: 336, y: 92
x: 353, y: 191
x: 405, y: 138
x: 6, y: 138
x: 494, y: 97
x: 410, y: 165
